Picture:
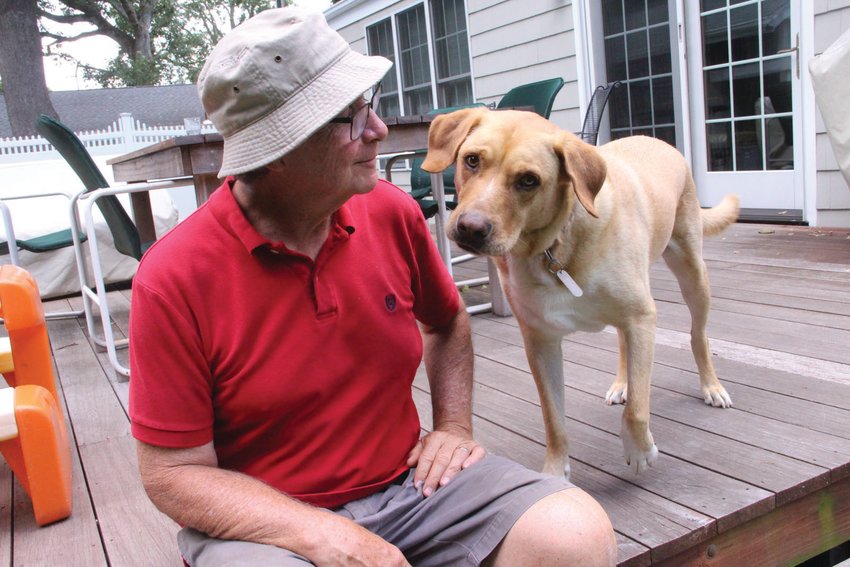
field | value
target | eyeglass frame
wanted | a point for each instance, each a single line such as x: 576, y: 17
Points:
x: 370, y: 108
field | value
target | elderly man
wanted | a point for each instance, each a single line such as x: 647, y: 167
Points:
x: 275, y: 334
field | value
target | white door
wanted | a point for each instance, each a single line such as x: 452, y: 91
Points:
x: 744, y: 80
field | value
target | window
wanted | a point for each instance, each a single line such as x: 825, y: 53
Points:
x: 431, y: 58
x: 638, y: 53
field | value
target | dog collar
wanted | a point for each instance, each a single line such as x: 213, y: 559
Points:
x: 555, y: 267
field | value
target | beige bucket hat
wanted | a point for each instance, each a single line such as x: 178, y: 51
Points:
x: 277, y: 78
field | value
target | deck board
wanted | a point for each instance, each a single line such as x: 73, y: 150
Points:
x: 766, y: 482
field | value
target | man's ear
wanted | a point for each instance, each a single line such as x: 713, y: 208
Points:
x: 447, y: 133
x: 581, y: 164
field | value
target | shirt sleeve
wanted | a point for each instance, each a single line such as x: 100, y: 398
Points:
x: 170, y: 386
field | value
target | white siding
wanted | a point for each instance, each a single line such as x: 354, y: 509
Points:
x: 832, y: 18
x: 522, y: 41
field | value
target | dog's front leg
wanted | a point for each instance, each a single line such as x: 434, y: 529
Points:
x: 547, y: 367
x: 639, y: 343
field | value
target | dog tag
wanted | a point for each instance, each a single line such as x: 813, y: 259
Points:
x: 569, y: 282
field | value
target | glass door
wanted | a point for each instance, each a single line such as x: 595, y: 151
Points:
x: 744, y: 74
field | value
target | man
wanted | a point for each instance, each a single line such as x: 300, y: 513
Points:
x: 275, y: 334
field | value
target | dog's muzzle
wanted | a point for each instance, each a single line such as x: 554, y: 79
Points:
x: 472, y: 232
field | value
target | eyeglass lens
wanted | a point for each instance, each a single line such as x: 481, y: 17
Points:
x: 361, y: 117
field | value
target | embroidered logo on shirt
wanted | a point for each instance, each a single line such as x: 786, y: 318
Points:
x: 390, y: 302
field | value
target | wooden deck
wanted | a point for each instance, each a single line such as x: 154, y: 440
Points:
x: 764, y: 483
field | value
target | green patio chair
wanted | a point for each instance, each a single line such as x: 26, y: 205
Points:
x: 124, y: 233
x: 540, y: 95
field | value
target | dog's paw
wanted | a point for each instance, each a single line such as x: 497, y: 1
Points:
x: 639, y: 461
x: 639, y: 455
x: 717, y: 396
x: 617, y: 393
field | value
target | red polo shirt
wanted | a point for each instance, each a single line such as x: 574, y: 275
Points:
x: 300, y: 372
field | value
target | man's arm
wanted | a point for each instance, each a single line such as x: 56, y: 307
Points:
x: 450, y: 446
x: 188, y: 486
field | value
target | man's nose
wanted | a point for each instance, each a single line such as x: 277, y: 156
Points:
x: 375, y: 130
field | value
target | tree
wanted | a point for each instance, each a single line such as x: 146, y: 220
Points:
x: 21, y: 66
x: 160, y: 41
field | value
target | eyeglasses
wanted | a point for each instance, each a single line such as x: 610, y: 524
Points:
x: 360, y: 117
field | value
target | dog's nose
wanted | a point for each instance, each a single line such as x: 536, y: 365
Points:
x: 473, y: 230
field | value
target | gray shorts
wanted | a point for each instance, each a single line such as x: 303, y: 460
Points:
x: 460, y: 524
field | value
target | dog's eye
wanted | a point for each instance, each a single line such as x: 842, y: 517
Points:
x: 528, y: 181
x: 471, y: 161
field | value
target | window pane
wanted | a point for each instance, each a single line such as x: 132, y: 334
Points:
x: 776, y: 26
x: 618, y: 106
x: 662, y: 100
x: 744, y: 24
x: 635, y: 14
x: 715, y: 48
x: 747, y: 145
x: 659, y: 48
x: 777, y: 84
x: 641, y: 103
x: 612, y: 16
x: 451, y: 50
x: 780, y: 136
x: 615, y: 58
x: 379, y: 41
x: 638, y: 54
x: 719, y: 144
x: 657, y: 12
x: 707, y: 5
x: 746, y: 89
x: 717, y: 98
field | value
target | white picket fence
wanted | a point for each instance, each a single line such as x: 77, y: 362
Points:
x: 124, y: 135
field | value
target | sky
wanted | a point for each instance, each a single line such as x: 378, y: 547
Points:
x: 98, y: 50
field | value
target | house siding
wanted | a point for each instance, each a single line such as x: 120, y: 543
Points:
x: 832, y: 18
x: 522, y: 41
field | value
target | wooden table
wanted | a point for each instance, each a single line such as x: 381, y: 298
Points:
x: 197, y: 156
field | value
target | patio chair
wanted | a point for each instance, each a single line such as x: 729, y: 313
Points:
x: 593, y: 115
x: 540, y: 95
x: 38, y: 244
x: 124, y: 233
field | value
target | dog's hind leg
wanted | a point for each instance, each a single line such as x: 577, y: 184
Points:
x: 547, y: 366
x: 684, y: 258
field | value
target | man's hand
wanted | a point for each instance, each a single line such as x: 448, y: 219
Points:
x: 344, y: 544
x: 439, y: 456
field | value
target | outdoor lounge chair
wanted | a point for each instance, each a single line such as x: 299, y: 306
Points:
x: 125, y: 235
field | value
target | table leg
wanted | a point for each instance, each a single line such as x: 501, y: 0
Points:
x: 143, y: 215
x: 205, y: 184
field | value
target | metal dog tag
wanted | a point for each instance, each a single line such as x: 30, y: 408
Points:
x: 555, y: 267
x: 570, y: 283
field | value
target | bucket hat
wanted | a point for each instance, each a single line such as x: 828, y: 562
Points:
x: 275, y: 79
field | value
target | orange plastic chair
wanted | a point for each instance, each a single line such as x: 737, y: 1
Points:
x: 25, y: 356
x: 34, y: 441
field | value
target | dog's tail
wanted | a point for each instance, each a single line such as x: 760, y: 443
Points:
x: 716, y: 219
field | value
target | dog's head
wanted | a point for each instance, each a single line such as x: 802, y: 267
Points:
x: 518, y: 177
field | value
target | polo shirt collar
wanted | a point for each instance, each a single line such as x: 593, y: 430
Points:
x: 225, y: 208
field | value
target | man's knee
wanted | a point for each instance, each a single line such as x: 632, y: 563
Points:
x: 564, y: 528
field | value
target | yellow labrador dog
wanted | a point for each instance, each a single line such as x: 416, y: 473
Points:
x: 573, y: 230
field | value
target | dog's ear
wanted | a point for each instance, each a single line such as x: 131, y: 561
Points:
x: 447, y: 133
x: 581, y: 163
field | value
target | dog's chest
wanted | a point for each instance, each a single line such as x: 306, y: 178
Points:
x: 543, y: 302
